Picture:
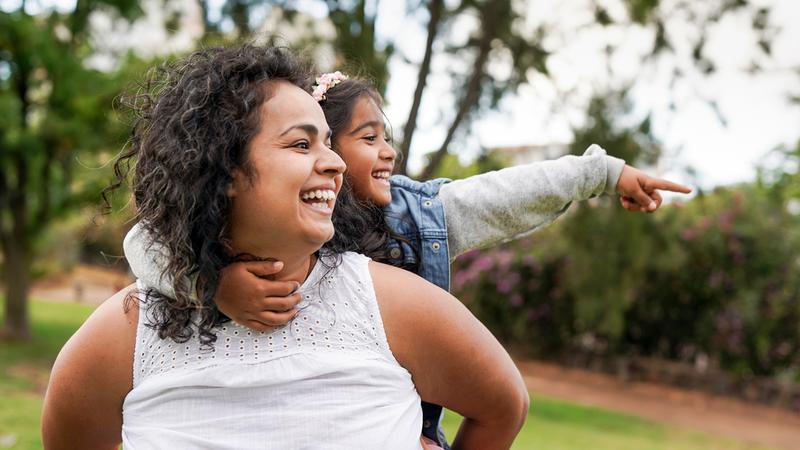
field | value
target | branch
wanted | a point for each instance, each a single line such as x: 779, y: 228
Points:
x: 473, y: 88
x: 435, y: 8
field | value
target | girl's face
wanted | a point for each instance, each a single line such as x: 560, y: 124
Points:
x: 368, y: 152
x: 287, y: 201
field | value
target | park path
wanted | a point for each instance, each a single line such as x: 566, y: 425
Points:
x: 720, y: 416
x: 716, y: 415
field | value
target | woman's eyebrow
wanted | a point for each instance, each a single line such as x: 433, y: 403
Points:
x: 371, y: 123
x: 310, y: 129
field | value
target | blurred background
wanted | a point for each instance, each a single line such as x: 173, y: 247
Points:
x: 678, y: 330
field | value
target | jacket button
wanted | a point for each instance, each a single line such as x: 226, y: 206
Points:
x: 395, y: 253
x: 426, y: 424
x: 427, y: 203
x: 435, y: 246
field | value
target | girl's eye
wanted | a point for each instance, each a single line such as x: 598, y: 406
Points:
x: 371, y: 138
x: 388, y: 139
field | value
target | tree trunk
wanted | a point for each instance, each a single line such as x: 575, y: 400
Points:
x: 435, y: 8
x: 17, y: 325
x: 472, y: 89
x: 17, y: 263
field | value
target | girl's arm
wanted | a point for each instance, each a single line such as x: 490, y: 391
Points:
x: 90, y: 379
x: 453, y: 359
x: 493, y: 207
x: 147, y: 259
x: 247, y: 293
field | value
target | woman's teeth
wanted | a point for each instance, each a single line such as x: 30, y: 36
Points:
x: 383, y: 174
x: 323, y: 197
x: 323, y: 194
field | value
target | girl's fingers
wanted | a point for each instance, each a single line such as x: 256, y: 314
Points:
x: 656, y: 183
x: 645, y: 202
x: 272, y: 318
x: 629, y: 204
x: 280, y: 304
x: 263, y: 269
x: 656, y: 196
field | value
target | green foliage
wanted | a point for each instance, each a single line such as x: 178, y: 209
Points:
x: 634, y: 143
x: 715, y: 278
x: 57, y: 131
x: 355, y: 43
x: 452, y: 168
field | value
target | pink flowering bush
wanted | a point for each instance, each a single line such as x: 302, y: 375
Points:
x: 716, y: 279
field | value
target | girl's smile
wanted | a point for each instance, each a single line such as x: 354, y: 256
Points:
x: 367, y: 150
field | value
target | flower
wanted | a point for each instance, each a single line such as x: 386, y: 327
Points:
x: 325, y: 82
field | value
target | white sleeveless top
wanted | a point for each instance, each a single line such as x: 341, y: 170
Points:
x: 327, y: 380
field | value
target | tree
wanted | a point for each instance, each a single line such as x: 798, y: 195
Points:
x: 503, y: 50
x: 496, y: 33
x: 354, y: 44
x: 499, y: 40
x: 435, y: 14
x: 55, y: 120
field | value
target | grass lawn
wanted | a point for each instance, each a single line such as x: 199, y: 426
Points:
x: 556, y: 425
x: 24, y: 368
x: 551, y: 425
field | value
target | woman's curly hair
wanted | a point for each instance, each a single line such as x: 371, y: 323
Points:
x: 195, y: 119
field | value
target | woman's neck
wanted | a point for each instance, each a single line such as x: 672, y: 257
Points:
x: 297, y: 269
x: 297, y: 264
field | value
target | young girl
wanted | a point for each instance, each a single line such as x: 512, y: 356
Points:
x: 234, y: 158
x: 422, y: 226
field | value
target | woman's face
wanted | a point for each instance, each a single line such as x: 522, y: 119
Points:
x: 287, y: 199
x: 369, y: 155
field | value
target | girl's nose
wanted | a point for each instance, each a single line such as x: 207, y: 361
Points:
x: 387, y: 152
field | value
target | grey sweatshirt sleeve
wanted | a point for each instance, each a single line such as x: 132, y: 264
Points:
x: 498, y: 206
x: 147, y: 259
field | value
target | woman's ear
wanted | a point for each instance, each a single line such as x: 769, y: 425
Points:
x: 235, y: 186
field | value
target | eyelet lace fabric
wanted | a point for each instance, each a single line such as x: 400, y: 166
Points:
x: 326, y: 380
x: 338, y: 312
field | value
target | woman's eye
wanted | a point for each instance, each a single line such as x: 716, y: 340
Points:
x: 302, y: 144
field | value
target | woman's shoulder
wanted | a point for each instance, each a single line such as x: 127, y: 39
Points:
x: 106, y: 340
x: 395, y: 285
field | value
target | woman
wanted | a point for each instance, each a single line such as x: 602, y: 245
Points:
x: 234, y: 162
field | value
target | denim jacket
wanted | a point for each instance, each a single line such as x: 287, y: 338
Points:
x: 417, y: 215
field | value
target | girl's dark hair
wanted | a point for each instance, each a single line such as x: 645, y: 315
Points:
x: 195, y: 119
x: 360, y: 225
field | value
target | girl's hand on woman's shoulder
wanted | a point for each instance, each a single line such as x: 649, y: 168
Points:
x: 249, y: 295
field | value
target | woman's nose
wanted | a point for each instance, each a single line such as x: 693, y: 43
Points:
x: 331, y: 162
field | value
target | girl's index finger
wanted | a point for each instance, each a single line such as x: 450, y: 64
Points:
x: 664, y: 185
x: 263, y: 269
